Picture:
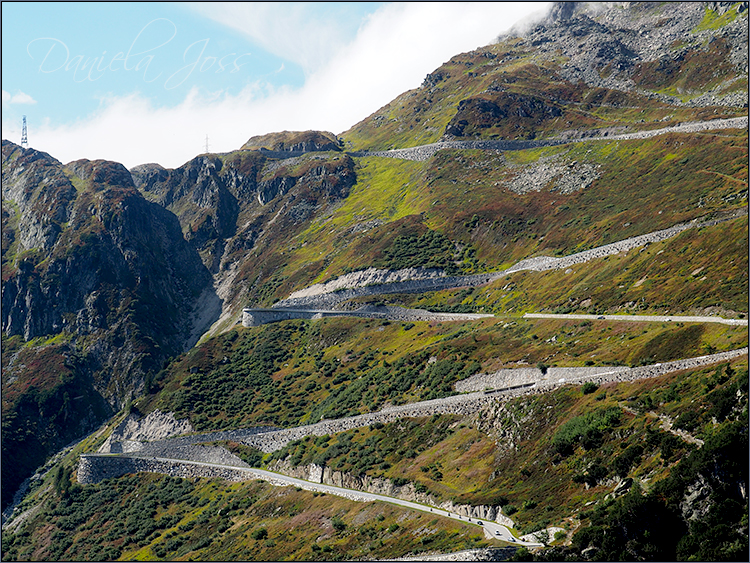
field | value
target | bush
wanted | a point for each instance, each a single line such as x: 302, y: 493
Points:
x: 338, y: 524
x: 629, y: 457
x: 588, y: 430
x: 259, y: 534
x: 589, y: 387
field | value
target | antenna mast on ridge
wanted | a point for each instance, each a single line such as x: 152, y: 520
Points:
x: 24, y: 136
x: 206, y: 143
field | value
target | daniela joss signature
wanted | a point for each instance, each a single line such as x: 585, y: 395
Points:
x: 54, y: 56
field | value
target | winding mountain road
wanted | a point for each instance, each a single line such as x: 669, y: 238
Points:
x: 425, y: 152
x: 492, y: 529
x: 468, y: 402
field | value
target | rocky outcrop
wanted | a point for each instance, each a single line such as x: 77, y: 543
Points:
x: 294, y: 141
x: 114, y: 246
x: 475, y: 114
x: 643, y: 47
x: 35, y: 183
x: 157, y: 425
x: 107, y: 272
x: 223, y: 203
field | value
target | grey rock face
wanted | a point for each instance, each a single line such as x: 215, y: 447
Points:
x: 110, y: 246
x: 35, y: 183
x: 605, y: 42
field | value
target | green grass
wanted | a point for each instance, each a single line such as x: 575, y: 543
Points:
x: 153, y: 517
x: 297, y: 372
x: 698, y: 271
x: 712, y: 20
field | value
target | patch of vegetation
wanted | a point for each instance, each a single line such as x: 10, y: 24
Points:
x: 587, y: 430
x: 713, y: 20
x: 372, y: 451
x: 431, y: 250
x: 146, y: 516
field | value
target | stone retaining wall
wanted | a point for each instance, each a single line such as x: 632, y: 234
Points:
x: 537, y: 264
x: 93, y: 468
x: 257, y: 317
x: 425, y: 152
x: 379, y: 486
x: 520, y: 376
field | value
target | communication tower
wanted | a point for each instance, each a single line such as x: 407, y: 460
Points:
x: 206, y: 143
x: 24, y: 136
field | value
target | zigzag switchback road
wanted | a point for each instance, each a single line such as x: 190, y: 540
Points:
x: 491, y: 529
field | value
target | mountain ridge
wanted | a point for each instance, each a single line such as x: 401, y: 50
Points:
x: 111, y: 275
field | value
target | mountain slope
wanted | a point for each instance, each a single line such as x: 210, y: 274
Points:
x: 98, y: 284
x: 293, y: 209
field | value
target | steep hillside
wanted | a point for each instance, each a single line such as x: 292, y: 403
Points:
x: 268, y: 221
x: 99, y: 289
x: 607, y: 123
x: 589, y: 67
x: 241, y: 210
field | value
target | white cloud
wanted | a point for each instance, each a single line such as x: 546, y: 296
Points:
x: 392, y: 52
x: 18, y: 98
x: 296, y: 31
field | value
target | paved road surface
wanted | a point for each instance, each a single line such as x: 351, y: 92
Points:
x: 492, y: 529
x: 641, y: 318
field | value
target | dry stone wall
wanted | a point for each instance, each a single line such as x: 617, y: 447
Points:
x: 257, y: 317
x: 512, y: 377
x: 331, y: 295
x: 425, y: 152
x: 98, y: 467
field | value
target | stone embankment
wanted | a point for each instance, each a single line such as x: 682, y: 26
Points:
x: 470, y: 403
x: 93, y: 468
x: 417, y: 280
x: 257, y: 317
x: 425, y: 152
x: 183, y: 447
x: 512, y: 377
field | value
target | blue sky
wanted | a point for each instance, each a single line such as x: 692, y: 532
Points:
x: 147, y: 81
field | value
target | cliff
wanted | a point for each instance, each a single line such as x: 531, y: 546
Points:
x: 95, y: 279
